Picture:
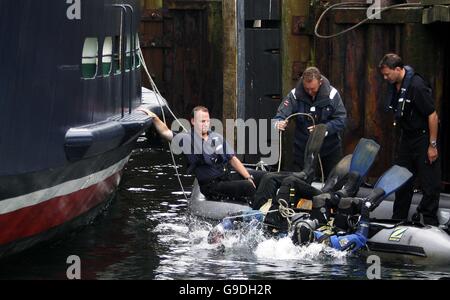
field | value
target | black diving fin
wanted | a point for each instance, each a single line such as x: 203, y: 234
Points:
x: 362, y: 159
x: 315, y: 140
x: 388, y: 183
x: 312, y: 150
x: 338, y: 172
x: 359, y: 162
x: 364, y: 155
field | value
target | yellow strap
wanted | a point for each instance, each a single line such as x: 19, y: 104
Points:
x: 265, y: 208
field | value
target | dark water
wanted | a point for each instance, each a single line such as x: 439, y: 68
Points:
x: 147, y: 234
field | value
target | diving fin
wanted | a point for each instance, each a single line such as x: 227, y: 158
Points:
x: 315, y: 140
x: 338, y: 172
x: 388, y: 183
x: 364, y: 156
x: 312, y: 151
x: 393, y: 179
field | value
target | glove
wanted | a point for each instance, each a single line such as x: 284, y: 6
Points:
x: 350, y: 242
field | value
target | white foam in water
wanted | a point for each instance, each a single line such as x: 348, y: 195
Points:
x: 284, y: 249
x: 171, y: 227
x: 141, y: 190
x: 181, y: 193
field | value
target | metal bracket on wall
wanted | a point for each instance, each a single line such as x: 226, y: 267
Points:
x: 301, y: 25
x: 151, y: 15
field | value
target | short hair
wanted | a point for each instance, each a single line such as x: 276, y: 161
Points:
x: 198, y: 108
x: 310, y: 74
x: 392, y: 61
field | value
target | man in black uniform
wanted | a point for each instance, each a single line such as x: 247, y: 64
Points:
x: 412, y: 103
x: 315, y: 96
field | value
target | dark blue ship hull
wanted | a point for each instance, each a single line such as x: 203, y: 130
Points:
x: 70, y: 83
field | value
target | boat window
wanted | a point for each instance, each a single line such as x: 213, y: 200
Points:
x: 137, y: 61
x: 107, y: 56
x: 89, y: 63
x: 116, y: 55
x: 128, y: 59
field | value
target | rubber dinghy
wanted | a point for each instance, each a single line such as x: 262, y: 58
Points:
x: 405, y: 242
x: 408, y: 242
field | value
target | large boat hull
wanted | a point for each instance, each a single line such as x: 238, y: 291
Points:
x: 70, y: 86
x: 34, y: 217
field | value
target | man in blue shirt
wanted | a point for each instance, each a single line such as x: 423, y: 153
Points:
x: 209, y: 155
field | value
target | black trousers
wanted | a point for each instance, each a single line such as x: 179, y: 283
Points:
x: 328, y: 162
x: 232, y: 187
x: 284, y: 181
x: 268, y: 187
x: 413, y: 155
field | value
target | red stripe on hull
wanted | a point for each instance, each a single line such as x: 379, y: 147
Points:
x: 35, y: 219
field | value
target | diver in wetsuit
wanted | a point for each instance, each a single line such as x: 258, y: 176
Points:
x: 307, y: 231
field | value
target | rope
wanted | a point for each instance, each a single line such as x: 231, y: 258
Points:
x: 251, y: 214
x: 351, y: 4
x: 280, y: 143
x: 286, y: 212
x: 158, y: 95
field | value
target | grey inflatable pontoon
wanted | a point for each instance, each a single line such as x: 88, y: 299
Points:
x: 215, y: 210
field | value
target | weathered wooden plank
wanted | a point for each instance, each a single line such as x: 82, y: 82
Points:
x: 378, y: 120
x: 353, y: 87
x: 296, y: 49
x: 394, y: 16
x: 436, y: 13
x: 229, y: 15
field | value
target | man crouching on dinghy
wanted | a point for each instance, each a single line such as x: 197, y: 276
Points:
x: 209, y: 155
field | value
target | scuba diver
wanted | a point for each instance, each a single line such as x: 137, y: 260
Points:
x: 344, y: 180
x: 350, y: 235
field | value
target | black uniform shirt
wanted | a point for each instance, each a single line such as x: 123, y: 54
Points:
x: 421, y: 105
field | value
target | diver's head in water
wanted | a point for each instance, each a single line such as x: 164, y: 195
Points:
x: 304, y: 232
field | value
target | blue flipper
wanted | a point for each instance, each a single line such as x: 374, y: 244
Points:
x: 364, y: 156
x: 388, y: 183
x: 393, y: 179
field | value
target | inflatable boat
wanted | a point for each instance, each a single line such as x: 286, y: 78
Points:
x: 391, y: 240
x: 205, y: 208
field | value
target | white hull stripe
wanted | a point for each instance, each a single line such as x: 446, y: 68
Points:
x: 65, y: 188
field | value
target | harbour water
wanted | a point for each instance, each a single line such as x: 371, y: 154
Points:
x: 146, y: 233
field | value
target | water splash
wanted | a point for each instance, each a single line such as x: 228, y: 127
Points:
x: 284, y: 249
